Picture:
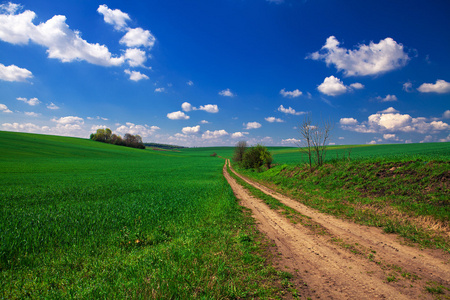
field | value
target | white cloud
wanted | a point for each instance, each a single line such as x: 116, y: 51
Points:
x: 357, y: 86
x: 142, y: 130
x: 290, y: 141
x: 211, y: 108
x: 273, y: 119
x: 292, y: 94
x: 190, y: 83
x: 4, y: 108
x: 135, y: 75
x: 191, y: 130
x: 137, y: 37
x: 372, y: 59
x: 373, y: 142
x: 388, y: 110
x: 332, y: 86
x: 13, y: 72
x: 290, y: 111
x: 447, y: 139
x: 390, y: 136
x: 214, y: 134
x: 69, y: 120
x: 52, y: 106
x: 135, y: 57
x: 115, y: 17
x: 204, y: 122
x: 32, y: 114
x: 10, y: 8
x: 238, y: 135
x: 440, y: 87
x: 341, y: 138
x: 427, y: 139
x: 61, y: 42
x: 186, y: 106
x: 159, y: 90
x: 388, y: 98
x: 226, y: 93
x: 348, y: 121
x: 446, y: 114
x: 252, y: 125
x: 390, y: 122
x: 407, y: 87
x: 32, y: 101
x: 177, y: 115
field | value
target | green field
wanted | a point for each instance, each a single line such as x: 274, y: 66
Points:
x: 83, y: 219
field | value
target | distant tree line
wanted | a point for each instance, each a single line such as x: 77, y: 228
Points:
x: 128, y: 140
x: 163, y: 146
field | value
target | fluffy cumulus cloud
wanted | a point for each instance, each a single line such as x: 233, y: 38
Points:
x: 290, y: 111
x: 13, y: 72
x: 135, y: 57
x: 4, y: 109
x: 273, y: 119
x: 332, y: 86
x: 191, y: 130
x: 69, y: 120
x: 348, y: 121
x: 252, y: 125
x: 238, y: 135
x: 52, y: 106
x: 32, y: 101
x: 159, y: 90
x: 186, y: 106
x: 372, y: 59
x: 388, y: 98
x: 226, y: 93
x: 190, y: 83
x: 291, y: 94
x: 407, y: 87
x: 135, y: 75
x: 391, y: 121
x: 291, y: 141
x: 115, y: 17
x: 138, y: 37
x: 389, y: 110
x: 177, y: 115
x: 210, y: 108
x: 214, y: 134
x: 357, y: 86
x: 440, y: 87
x: 142, y: 130
x: 390, y: 136
x: 446, y: 114
x: 66, y: 44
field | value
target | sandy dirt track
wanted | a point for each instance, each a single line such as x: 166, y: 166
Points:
x: 332, y: 271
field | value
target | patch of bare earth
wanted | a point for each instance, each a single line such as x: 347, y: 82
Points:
x: 350, y: 261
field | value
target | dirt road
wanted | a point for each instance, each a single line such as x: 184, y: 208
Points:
x: 350, y: 261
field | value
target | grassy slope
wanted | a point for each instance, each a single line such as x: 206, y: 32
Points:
x: 82, y: 219
x: 402, y: 188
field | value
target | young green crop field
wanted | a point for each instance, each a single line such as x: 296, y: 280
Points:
x: 82, y: 219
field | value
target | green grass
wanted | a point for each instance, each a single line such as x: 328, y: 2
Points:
x: 405, y: 190
x: 82, y: 219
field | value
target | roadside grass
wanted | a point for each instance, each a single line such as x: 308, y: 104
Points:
x: 80, y: 219
x: 402, y: 194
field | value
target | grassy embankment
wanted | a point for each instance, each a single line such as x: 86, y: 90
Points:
x: 82, y: 219
x: 404, y: 189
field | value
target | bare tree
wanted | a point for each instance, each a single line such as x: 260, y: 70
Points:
x: 315, y: 138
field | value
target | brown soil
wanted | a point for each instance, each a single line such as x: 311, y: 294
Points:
x: 351, y: 261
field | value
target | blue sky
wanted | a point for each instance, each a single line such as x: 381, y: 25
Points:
x: 204, y: 73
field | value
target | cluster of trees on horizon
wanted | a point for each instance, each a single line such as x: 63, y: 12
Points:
x: 252, y: 158
x: 106, y: 136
